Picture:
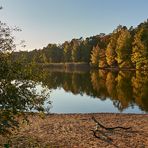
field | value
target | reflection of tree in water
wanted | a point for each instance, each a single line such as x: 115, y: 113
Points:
x: 111, y: 84
x: 67, y: 82
x: 123, y: 88
x: 98, y: 79
x: 140, y: 89
x: 78, y: 83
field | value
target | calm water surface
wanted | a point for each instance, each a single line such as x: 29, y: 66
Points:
x: 98, y: 91
x: 66, y: 102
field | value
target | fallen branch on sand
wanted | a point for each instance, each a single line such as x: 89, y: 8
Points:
x: 108, y: 128
x: 102, y: 135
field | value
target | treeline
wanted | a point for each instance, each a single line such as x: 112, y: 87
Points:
x: 76, y: 50
x: 123, y: 48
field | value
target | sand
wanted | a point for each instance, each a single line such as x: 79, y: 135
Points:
x: 75, y: 131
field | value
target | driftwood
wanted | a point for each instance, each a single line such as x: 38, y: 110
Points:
x: 101, y: 134
x: 108, y: 128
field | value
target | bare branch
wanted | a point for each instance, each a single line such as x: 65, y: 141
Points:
x: 107, y: 128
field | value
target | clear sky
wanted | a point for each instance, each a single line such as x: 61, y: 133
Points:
x: 54, y: 21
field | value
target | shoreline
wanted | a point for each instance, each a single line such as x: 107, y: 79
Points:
x: 83, y: 66
x: 112, y: 113
x: 75, y: 130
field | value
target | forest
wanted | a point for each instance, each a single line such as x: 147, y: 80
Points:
x: 124, y: 48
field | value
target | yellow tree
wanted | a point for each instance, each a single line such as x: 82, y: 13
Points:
x: 95, y: 56
x: 123, y: 49
x: 111, y: 51
x: 140, y: 47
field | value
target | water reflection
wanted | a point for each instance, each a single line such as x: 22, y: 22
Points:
x: 124, y: 88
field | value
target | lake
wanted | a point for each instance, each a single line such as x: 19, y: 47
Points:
x: 97, y: 91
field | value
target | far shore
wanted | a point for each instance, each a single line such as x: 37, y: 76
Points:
x: 75, y: 131
x: 82, y: 66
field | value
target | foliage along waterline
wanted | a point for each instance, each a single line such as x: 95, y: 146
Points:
x: 18, y: 81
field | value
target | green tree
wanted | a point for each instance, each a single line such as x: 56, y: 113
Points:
x: 6, y: 39
x: 53, y: 53
x: 76, y: 52
x: 85, y: 51
x: 43, y: 58
x: 67, y: 52
x: 17, y: 88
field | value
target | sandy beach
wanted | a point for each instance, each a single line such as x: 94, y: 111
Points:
x: 75, y: 131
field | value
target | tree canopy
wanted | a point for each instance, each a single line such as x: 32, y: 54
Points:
x: 123, y: 48
x: 18, y: 93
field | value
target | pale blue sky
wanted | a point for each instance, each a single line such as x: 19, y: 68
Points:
x: 54, y: 21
